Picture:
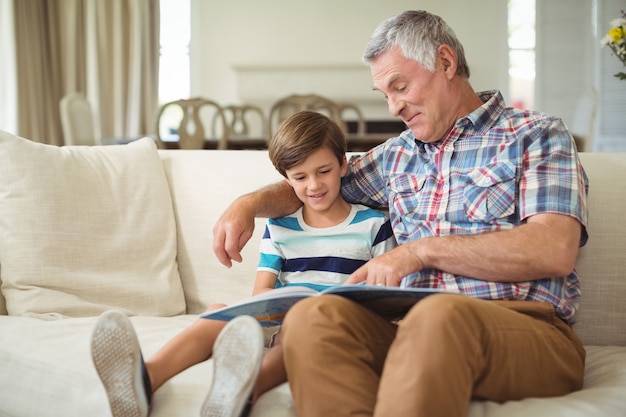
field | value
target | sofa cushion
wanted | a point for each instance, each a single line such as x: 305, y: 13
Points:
x: 601, y: 262
x: 203, y: 184
x: 86, y: 229
x: 51, y: 361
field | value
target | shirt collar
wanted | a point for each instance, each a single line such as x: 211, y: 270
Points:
x: 484, y: 117
x: 482, y: 120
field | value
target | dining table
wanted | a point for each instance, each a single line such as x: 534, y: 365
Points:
x: 366, y: 141
x: 355, y: 142
x: 234, y: 142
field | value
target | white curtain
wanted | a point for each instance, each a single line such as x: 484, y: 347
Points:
x: 122, y: 73
x: 8, y: 93
x: 106, y: 49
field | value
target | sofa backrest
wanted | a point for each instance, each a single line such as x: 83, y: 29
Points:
x: 601, y: 319
x: 204, y: 183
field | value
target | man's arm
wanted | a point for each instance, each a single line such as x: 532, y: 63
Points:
x: 545, y: 246
x: 236, y: 225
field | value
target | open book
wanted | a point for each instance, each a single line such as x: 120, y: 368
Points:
x: 270, y: 307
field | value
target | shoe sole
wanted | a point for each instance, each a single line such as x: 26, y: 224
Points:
x: 237, y: 358
x: 117, y: 358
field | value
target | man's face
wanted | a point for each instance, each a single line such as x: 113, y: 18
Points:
x: 418, y: 96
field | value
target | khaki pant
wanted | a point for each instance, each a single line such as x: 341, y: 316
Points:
x: 343, y: 360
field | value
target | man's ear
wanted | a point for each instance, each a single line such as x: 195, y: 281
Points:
x: 446, y: 57
x: 288, y: 182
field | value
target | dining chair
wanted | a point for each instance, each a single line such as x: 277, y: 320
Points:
x: 244, y: 121
x: 77, y: 120
x: 344, y: 108
x: 294, y: 103
x: 184, y: 121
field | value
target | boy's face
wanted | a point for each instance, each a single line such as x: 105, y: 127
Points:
x: 317, y: 181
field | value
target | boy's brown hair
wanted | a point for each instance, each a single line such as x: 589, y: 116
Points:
x: 300, y: 135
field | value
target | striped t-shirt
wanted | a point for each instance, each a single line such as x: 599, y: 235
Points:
x: 299, y: 253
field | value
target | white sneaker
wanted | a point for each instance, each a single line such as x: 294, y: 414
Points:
x: 117, y: 357
x: 237, y: 355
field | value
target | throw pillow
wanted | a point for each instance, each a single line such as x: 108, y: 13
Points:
x: 84, y: 229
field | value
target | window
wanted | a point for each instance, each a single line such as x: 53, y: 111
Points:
x: 174, y: 52
x: 521, y: 23
x: 8, y: 76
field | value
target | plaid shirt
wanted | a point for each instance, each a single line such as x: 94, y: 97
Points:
x: 497, y: 167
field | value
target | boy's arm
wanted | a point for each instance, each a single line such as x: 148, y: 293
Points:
x: 265, y: 281
x: 236, y: 225
x: 271, y: 261
x: 384, y: 240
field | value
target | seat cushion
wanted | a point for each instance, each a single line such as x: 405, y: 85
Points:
x: 84, y: 229
x: 602, y: 393
x: 51, y: 361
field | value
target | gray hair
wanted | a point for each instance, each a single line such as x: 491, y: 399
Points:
x: 418, y: 34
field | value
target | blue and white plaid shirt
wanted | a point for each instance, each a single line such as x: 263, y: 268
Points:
x: 497, y: 167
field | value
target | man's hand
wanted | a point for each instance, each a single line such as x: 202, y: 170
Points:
x: 236, y: 225
x: 389, y: 268
x: 231, y: 233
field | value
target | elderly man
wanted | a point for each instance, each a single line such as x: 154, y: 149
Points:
x: 486, y: 201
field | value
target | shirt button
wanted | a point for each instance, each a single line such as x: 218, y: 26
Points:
x: 449, y: 148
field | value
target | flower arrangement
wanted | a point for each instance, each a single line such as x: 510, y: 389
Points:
x: 616, y: 40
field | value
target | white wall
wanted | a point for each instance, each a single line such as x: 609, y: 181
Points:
x: 258, y: 51
x: 570, y: 63
x: 564, y: 61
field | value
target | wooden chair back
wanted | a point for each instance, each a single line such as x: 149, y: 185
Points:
x: 191, y: 130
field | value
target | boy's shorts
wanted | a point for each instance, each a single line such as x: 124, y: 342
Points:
x: 269, y: 335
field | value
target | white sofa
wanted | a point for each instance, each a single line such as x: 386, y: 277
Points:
x: 83, y: 230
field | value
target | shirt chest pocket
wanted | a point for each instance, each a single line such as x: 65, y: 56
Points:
x: 491, y: 192
x: 407, y: 194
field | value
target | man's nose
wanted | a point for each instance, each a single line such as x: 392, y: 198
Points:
x: 395, y: 106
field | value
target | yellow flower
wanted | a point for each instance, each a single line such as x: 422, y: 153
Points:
x: 615, y: 39
x: 616, y: 34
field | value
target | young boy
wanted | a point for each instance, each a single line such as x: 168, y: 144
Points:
x: 322, y: 243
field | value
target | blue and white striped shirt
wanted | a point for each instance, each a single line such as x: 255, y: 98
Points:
x: 299, y: 253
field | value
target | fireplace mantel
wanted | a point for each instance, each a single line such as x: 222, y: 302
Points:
x: 267, y: 83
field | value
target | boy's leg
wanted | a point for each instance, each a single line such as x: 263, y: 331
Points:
x: 450, y: 349
x: 190, y: 347
x: 272, y: 372
x: 237, y: 359
x: 117, y: 358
